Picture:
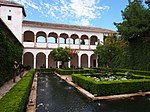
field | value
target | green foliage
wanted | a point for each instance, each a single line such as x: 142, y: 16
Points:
x: 136, y: 21
x: 135, y: 28
x: 9, y: 52
x: 62, y: 54
x: 110, y: 52
x: 16, y: 99
x: 50, y: 70
x: 111, y: 87
x: 137, y: 72
x: 74, y: 71
x: 138, y: 54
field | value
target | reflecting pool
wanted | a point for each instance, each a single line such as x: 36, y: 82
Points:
x: 55, y: 95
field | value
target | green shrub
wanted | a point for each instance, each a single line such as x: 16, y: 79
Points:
x: 45, y: 69
x: 74, y: 71
x: 111, y: 87
x: 138, y: 72
x: 16, y: 99
x: 9, y: 52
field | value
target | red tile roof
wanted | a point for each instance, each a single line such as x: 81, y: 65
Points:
x: 64, y: 26
x: 13, y: 4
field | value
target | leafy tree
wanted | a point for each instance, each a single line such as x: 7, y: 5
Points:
x: 136, y: 21
x: 62, y: 54
x: 109, y: 51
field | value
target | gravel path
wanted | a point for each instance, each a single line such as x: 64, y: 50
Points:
x: 8, y: 85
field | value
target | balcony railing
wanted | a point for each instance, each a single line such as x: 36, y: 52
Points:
x: 56, y: 45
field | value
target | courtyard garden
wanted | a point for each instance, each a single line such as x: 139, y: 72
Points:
x: 123, y: 63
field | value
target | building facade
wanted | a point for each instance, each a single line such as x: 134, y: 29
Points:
x: 40, y: 38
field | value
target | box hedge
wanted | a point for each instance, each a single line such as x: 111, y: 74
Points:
x: 74, y: 71
x: 138, y: 72
x: 45, y: 70
x: 111, y: 87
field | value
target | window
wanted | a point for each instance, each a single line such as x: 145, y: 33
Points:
x: 9, y: 18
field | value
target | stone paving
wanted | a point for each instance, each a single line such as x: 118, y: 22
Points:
x: 31, y: 106
x: 8, y: 85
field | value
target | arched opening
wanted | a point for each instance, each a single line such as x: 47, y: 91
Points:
x: 41, y: 37
x: 93, y: 40
x: 84, y: 60
x: 28, y: 36
x: 28, y: 60
x: 51, y: 62
x: 40, y: 60
x: 52, y: 37
x: 93, y: 60
x: 74, y: 61
x: 74, y: 38
x: 84, y: 40
x: 63, y: 37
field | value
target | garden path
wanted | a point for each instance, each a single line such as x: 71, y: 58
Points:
x: 8, y: 85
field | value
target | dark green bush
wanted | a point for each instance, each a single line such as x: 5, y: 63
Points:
x: 74, y: 71
x: 9, y: 52
x: 46, y: 69
x: 138, y: 72
x: 16, y: 99
x: 111, y: 87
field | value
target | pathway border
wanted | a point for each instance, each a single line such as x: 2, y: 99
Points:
x: 31, y: 106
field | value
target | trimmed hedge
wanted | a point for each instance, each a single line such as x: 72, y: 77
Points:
x: 74, y: 71
x: 111, y: 87
x: 16, y: 99
x: 45, y: 69
x: 138, y: 72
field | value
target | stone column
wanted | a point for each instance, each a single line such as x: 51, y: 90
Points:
x: 96, y: 61
x: 79, y: 61
x: 34, y: 61
x: 89, y: 61
x: 34, y: 40
x: 79, y: 43
x: 46, y: 41
x: 58, y: 41
x: 69, y: 64
x: 58, y: 64
x: 69, y: 42
x: 46, y: 61
x: 89, y: 44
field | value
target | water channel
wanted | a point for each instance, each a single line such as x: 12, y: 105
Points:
x: 55, y: 95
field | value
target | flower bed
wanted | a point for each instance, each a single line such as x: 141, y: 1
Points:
x: 111, y: 85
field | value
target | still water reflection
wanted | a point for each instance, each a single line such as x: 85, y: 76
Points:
x: 55, y: 95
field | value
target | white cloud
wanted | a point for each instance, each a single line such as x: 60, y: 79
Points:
x: 31, y: 4
x: 80, y: 12
x: 85, y: 22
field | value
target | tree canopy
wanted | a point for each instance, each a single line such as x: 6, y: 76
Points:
x: 136, y: 21
x: 62, y: 54
x: 109, y: 51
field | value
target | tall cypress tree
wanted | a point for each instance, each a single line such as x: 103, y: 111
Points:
x: 136, y: 21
